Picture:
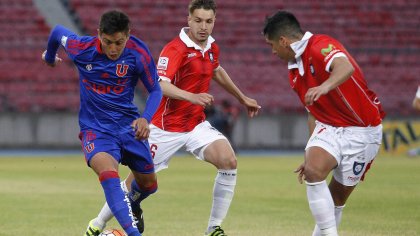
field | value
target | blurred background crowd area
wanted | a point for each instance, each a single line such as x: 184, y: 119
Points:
x: 383, y: 36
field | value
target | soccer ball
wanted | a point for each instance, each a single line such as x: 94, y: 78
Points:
x: 113, y: 232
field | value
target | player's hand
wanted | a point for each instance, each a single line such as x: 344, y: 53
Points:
x: 313, y: 94
x: 300, y: 170
x: 141, y: 128
x: 202, y: 99
x: 57, y: 59
x: 252, y: 106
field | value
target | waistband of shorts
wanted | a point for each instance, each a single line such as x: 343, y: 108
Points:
x: 357, y: 129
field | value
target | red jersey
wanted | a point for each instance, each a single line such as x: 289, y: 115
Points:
x: 351, y: 103
x: 190, y: 68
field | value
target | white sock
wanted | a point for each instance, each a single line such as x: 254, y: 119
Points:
x: 338, y: 211
x: 223, y: 191
x: 105, y: 214
x: 322, y: 207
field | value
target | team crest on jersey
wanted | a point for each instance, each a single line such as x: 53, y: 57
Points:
x: 121, y: 70
x: 358, y: 167
x: 89, y: 67
x: 90, y: 147
x: 163, y: 63
x: 311, y: 67
x: 211, y: 57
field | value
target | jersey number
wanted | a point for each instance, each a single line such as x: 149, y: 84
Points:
x: 153, y: 149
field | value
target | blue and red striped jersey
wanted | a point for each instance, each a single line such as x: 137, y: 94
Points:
x: 107, y: 86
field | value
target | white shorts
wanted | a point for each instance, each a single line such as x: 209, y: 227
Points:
x: 354, y: 148
x: 164, y: 144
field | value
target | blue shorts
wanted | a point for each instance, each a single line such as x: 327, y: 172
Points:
x: 123, y: 147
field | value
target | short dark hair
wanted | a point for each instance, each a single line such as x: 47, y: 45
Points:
x: 114, y: 21
x: 205, y: 4
x: 282, y: 23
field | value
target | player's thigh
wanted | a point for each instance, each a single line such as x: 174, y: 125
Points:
x: 318, y: 163
x: 322, y: 152
x: 358, y: 151
x: 136, y: 154
x: 220, y: 154
x: 163, y: 145
x: 101, y: 146
x: 203, y: 136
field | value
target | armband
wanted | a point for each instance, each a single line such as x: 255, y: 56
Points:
x: 418, y: 93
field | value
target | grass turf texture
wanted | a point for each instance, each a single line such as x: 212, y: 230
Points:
x: 58, y: 196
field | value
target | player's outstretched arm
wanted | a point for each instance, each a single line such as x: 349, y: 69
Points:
x: 56, y: 60
x: 171, y: 91
x: 58, y: 36
x: 224, y: 80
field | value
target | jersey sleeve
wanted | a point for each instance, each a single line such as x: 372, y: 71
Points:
x: 59, y: 36
x: 148, y: 75
x: 169, y: 62
x: 324, y: 51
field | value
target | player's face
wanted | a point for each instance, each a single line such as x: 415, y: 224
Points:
x: 201, y: 23
x: 281, y: 48
x: 113, y: 45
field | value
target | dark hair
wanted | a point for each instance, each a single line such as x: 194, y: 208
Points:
x: 282, y: 23
x: 113, y: 22
x: 205, y: 4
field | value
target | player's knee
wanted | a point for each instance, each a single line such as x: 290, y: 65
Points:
x: 149, y: 186
x: 229, y: 162
x: 313, y: 174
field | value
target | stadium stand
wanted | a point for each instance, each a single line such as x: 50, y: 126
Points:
x: 26, y: 85
x: 383, y: 36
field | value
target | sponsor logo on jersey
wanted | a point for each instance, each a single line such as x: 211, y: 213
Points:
x: 326, y: 51
x: 163, y: 63
x: 121, y: 70
x: 105, y: 89
x: 358, y: 167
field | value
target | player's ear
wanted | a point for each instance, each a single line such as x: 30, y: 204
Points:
x: 99, y: 33
x: 283, y: 41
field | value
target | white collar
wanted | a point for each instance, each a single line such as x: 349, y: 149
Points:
x: 299, y: 47
x: 184, y: 37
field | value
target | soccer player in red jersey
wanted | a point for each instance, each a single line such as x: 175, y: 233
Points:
x: 344, y: 116
x: 186, y: 67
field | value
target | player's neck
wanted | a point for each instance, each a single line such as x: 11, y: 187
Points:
x: 201, y: 44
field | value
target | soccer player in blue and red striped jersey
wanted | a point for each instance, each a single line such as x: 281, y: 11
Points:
x: 112, y: 130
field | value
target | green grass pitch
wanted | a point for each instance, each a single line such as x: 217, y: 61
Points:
x: 58, y: 196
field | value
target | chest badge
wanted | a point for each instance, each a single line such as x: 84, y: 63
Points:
x: 211, y: 57
x: 121, y: 70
